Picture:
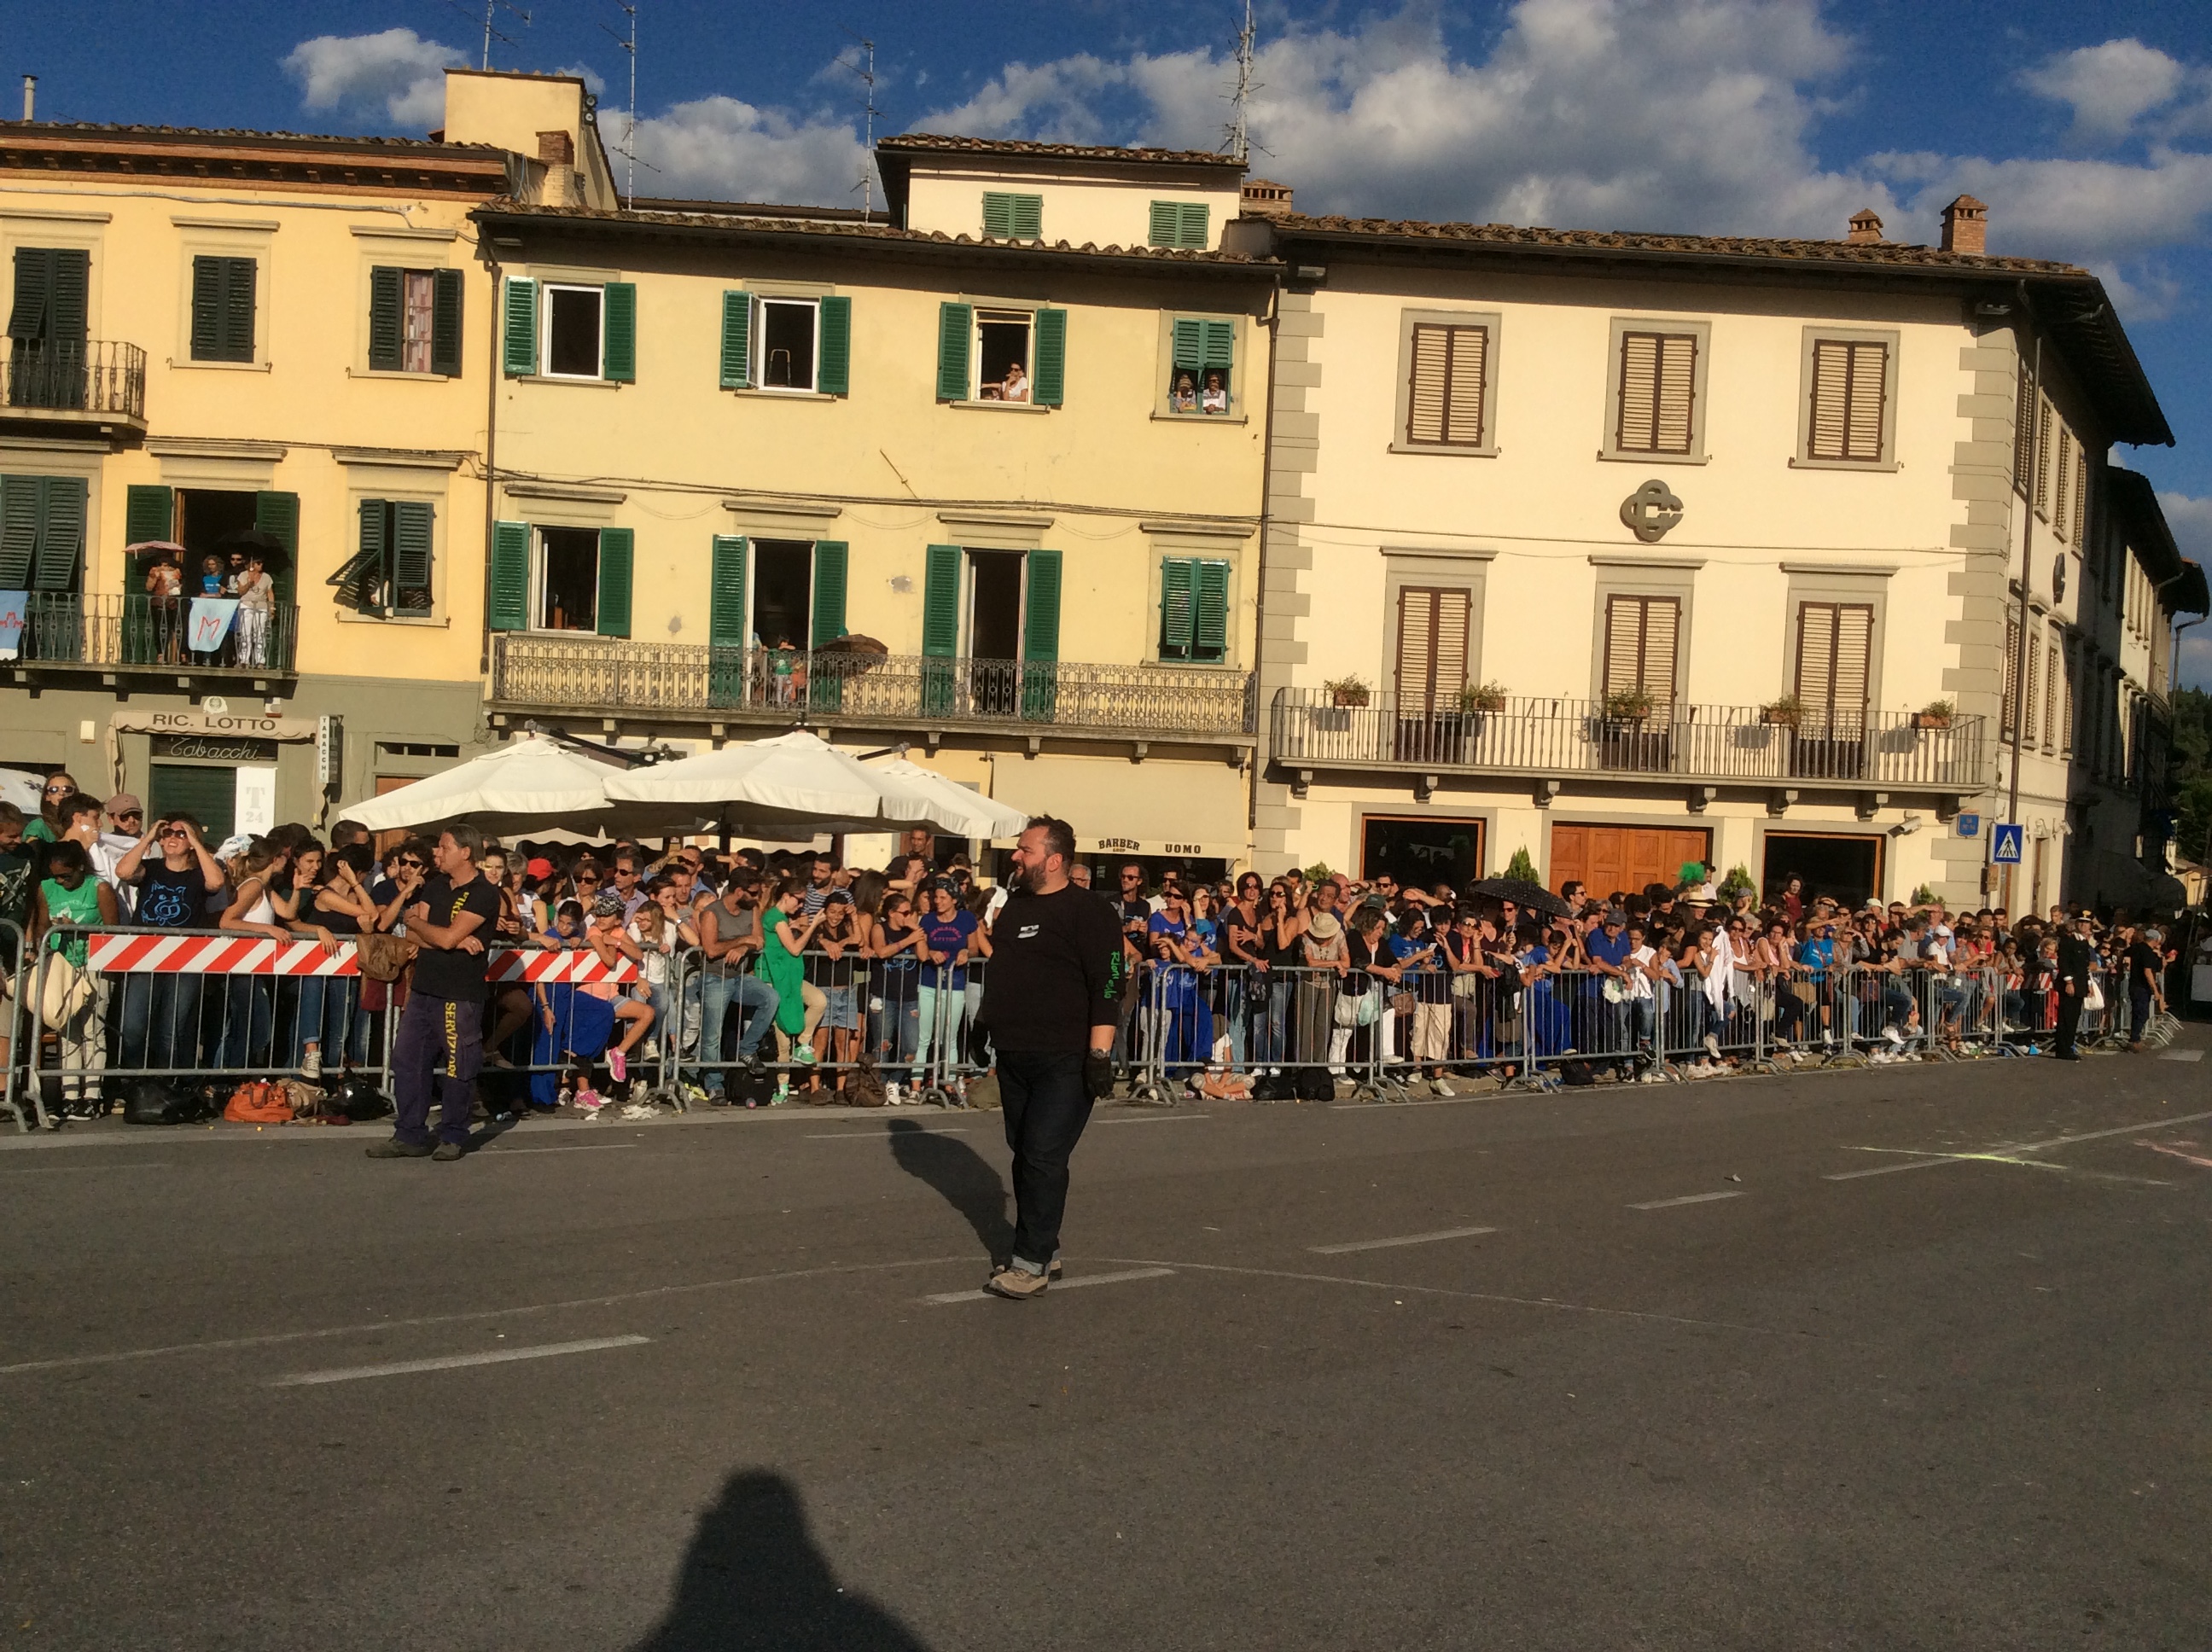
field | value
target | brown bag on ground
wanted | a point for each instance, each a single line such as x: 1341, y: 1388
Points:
x: 256, y: 1101
x: 865, y: 1087
x: 382, y: 958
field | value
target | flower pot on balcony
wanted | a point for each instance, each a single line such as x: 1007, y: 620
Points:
x: 1931, y: 720
x: 1780, y: 716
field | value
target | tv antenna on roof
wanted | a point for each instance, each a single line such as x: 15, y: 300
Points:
x: 628, y: 148
x: 492, y: 9
x: 865, y: 69
x: 1237, y: 139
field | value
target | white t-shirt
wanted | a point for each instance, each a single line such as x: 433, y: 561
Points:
x: 654, y: 965
x: 1635, y: 984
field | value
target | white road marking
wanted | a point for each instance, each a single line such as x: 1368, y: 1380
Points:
x: 51, y: 1169
x: 1687, y: 1199
x: 581, y: 1147
x: 450, y: 1362
x: 1410, y: 1239
x: 1060, y: 1284
x: 1157, y: 1118
x: 881, y: 1135
x: 2181, y: 1055
x: 2021, y: 1147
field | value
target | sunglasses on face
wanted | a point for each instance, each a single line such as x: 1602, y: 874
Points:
x: 57, y: 791
x: 173, y: 831
x: 587, y: 877
x: 411, y: 861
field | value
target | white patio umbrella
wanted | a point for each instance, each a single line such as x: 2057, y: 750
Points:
x: 529, y: 784
x: 966, y: 813
x: 791, y: 780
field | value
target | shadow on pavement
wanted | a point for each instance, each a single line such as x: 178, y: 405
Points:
x: 753, y: 1578
x: 968, y: 1182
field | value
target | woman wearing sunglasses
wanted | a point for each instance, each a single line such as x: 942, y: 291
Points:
x: 48, y: 826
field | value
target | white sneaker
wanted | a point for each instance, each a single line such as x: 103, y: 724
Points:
x: 310, y: 1062
x: 1440, y: 1087
x: 1713, y: 1045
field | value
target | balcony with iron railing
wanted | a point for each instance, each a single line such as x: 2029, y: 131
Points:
x: 97, y: 381
x: 1538, y: 736
x: 62, y: 631
x: 600, y: 677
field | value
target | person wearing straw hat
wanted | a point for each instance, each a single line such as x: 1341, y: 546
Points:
x: 1050, y: 1002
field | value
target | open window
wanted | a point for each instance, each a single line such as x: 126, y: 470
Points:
x: 1004, y: 606
x: 1201, y: 366
x: 1002, y: 355
x: 573, y: 318
x: 415, y: 321
x: 389, y: 573
x: 569, y: 329
x: 565, y: 580
x: 786, y: 343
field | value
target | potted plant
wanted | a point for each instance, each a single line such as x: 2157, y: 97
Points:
x: 1349, y: 691
x: 1738, y: 882
x: 1628, y: 705
x: 1786, y: 712
x: 1936, y: 713
x: 1487, y: 696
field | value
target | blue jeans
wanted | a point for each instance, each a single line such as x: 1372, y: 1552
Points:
x: 894, y: 1030
x: 248, y: 1014
x: 1270, y: 1021
x: 322, y: 1015
x: 755, y: 1000
x: 160, y: 1022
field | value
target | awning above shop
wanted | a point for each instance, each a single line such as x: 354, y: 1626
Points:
x: 1194, y: 810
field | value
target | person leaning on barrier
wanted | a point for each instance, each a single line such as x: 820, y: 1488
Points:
x: 729, y: 939
x: 73, y: 996
x: 441, y: 1029
x: 2076, y: 963
x: 1051, y: 1004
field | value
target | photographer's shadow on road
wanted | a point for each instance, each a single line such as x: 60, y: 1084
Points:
x: 968, y: 1182
x: 753, y: 1579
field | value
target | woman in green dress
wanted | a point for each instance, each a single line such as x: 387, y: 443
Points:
x: 74, y: 998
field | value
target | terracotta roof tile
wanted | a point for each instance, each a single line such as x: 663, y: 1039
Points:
x: 944, y: 144
x: 1739, y: 246
x: 116, y: 128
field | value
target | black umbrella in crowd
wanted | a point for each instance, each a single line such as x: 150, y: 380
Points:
x: 256, y: 542
x: 1529, y: 897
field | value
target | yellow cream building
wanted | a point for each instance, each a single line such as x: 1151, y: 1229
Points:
x: 217, y: 332
x: 1631, y: 550
x: 923, y: 477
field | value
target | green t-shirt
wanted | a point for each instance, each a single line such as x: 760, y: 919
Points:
x: 38, y: 830
x: 78, y: 906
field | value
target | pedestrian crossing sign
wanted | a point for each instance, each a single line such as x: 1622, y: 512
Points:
x: 2005, y: 844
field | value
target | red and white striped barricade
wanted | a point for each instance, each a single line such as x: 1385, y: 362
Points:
x: 259, y: 955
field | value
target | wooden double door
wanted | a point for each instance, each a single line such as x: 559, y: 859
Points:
x: 1603, y: 858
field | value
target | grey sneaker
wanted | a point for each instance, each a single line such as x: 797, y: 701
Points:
x: 1016, y: 1283
x: 310, y: 1062
x: 397, y: 1149
x: 448, y: 1151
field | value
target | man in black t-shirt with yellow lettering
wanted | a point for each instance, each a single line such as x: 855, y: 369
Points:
x: 441, y: 1029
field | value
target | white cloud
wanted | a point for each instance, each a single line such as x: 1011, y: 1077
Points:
x: 723, y: 148
x: 594, y: 81
x: 397, y: 68
x: 2111, y: 86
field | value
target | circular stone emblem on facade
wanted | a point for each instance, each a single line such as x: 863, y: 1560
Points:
x: 1650, y: 511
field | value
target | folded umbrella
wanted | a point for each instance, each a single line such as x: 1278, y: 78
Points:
x: 1530, y: 898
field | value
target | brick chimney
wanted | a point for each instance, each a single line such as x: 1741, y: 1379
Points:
x: 556, y: 149
x: 1866, y: 226
x: 1965, y: 226
x: 1262, y: 198
x: 556, y: 152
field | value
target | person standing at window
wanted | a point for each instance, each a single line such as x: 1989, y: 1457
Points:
x: 256, y: 602
x: 1185, y: 398
x: 1215, y: 399
x: 1016, y: 388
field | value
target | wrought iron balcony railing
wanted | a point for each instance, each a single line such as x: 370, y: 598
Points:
x: 100, y: 378
x: 592, y: 674
x: 1539, y: 736
x: 156, y: 634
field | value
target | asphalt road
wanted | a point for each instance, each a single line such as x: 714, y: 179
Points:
x: 1828, y: 1361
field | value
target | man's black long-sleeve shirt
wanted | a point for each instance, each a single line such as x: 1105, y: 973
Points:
x: 1056, y: 971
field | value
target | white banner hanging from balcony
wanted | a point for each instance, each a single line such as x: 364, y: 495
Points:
x: 12, y: 605
x: 210, y: 622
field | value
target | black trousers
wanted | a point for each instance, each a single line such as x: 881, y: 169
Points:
x: 1042, y: 1094
x: 2069, y: 1019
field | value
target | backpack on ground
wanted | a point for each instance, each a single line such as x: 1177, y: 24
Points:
x: 151, y: 1101
x: 1314, y: 1084
x: 1575, y: 1074
x: 865, y: 1086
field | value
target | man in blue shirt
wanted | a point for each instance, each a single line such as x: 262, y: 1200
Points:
x: 1609, y: 947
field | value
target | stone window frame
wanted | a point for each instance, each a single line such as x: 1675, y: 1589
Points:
x: 1631, y: 576
x: 1494, y: 322
x: 1814, y: 335
x: 1431, y: 567
x: 1623, y: 324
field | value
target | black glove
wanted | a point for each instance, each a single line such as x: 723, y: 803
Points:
x: 1097, y: 1075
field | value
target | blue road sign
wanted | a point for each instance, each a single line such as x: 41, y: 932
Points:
x: 2005, y: 844
x: 1967, y: 825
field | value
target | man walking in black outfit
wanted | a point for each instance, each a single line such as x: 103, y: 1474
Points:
x: 2076, y: 959
x: 1051, y: 1001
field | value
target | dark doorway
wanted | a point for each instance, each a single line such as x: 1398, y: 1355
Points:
x: 994, y: 629
x: 1847, y: 869
x: 568, y: 583
x: 783, y: 574
x: 204, y: 515
x: 1422, y: 850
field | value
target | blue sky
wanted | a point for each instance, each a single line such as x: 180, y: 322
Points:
x: 2088, y: 129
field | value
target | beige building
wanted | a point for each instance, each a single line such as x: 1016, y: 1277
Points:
x: 224, y: 332
x: 1629, y: 550
x: 981, y: 476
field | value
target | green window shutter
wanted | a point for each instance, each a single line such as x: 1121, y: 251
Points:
x: 34, y: 276
x: 998, y: 216
x: 1191, y: 224
x: 510, y: 576
x: 279, y: 514
x: 737, y: 340
x: 222, y: 309
x: 61, y: 533
x: 385, y: 298
x: 20, y: 511
x: 1028, y: 217
x: 1166, y: 223
x: 617, y: 548
x: 1041, y: 620
x: 1189, y: 344
x: 207, y: 308
x: 619, y: 351
x: 836, y: 322
x: 829, y: 562
x: 71, y: 278
x: 940, y: 602
x: 1210, y: 626
x: 360, y: 582
x: 411, y: 523
x: 238, y: 309
x: 1220, y: 344
x: 150, y: 512
x: 1051, y: 376
x: 1176, y: 581
x: 955, y: 322
x: 725, y: 625
x: 446, y: 289
x: 520, y: 354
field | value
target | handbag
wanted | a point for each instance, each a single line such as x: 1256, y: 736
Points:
x: 383, y: 958
x: 2094, y: 997
x: 1402, y: 1004
x: 67, y: 991
x: 1362, y: 1011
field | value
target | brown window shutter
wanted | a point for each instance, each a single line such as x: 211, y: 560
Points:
x: 2023, y: 412
x: 1816, y: 655
x: 2027, y: 700
x: 2042, y: 455
x: 1640, y: 635
x: 1869, y: 383
x: 1849, y: 381
x: 1444, y: 402
x: 2081, y: 496
x: 1463, y: 392
x: 1433, y: 645
x: 1454, y: 609
x: 1678, y: 383
x: 2058, y: 517
x: 1639, y: 393
x: 2011, y: 709
x: 2050, y: 684
x: 1854, y: 664
x: 2072, y: 693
